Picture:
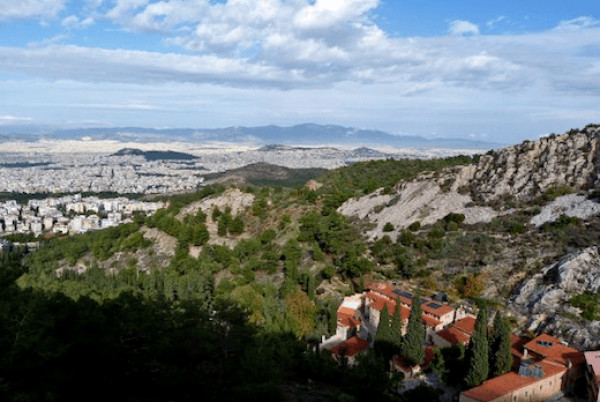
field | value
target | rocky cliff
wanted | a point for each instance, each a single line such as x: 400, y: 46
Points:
x: 542, y: 301
x: 521, y: 172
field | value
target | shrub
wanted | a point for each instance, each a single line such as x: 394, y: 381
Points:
x: 388, y: 227
x: 414, y: 226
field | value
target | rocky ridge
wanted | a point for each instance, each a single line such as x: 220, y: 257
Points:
x: 523, y: 172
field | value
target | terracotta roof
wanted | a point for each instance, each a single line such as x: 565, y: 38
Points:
x: 442, y: 310
x: 466, y: 325
x: 387, y: 290
x: 379, y: 301
x: 345, y: 317
x: 509, y: 382
x: 350, y: 347
x: 346, y: 311
x: 517, y: 342
x: 551, y: 348
x: 431, y: 322
x: 383, y: 288
x: 453, y: 335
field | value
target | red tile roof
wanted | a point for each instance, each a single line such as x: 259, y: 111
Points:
x: 345, y: 317
x: 509, y: 382
x: 346, y: 311
x: 387, y: 290
x: 466, y: 325
x: 379, y: 301
x: 517, y: 342
x: 551, y: 348
x: 442, y: 310
x: 350, y: 347
x: 454, y: 336
x: 383, y: 288
x: 431, y: 322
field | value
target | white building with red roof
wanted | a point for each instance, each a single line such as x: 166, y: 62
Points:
x: 458, y: 332
x: 547, y: 368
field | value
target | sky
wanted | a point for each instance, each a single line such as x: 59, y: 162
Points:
x: 499, y: 71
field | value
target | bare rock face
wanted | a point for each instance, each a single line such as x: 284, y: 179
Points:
x: 571, y: 205
x: 531, y: 168
x: 522, y: 172
x: 542, y: 301
x: 234, y: 198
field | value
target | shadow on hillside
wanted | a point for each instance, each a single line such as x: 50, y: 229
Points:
x: 135, y: 349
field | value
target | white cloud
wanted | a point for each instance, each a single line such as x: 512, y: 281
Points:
x: 73, y: 22
x: 493, y: 22
x: 574, y: 24
x: 461, y: 27
x: 8, y: 119
x: 21, y: 9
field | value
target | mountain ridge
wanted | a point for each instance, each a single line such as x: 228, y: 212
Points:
x: 301, y: 134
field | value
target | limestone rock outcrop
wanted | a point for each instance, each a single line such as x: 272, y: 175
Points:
x: 542, y: 301
x: 523, y: 172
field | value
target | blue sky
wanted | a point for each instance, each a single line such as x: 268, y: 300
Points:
x: 493, y: 70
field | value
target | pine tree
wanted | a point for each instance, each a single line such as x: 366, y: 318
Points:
x: 237, y: 225
x: 500, y: 355
x: 396, y: 327
x: 478, y: 363
x: 413, y: 341
x: 383, y: 328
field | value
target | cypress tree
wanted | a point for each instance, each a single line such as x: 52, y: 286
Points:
x: 396, y: 327
x: 383, y: 328
x: 310, y: 286
x: 413, y: 341
x: 438, y: 365
x: 478, y: 363
x: 500, y: 346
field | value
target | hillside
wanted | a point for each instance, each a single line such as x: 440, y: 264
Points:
x: 155, y: 155
x: 515, y: 213
x: 265, y: 174
x: 249, y: 276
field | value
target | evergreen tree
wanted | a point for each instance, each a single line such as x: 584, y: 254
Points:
x: 396, y: 327
x: 478, y: 363
x: 438, y: 365
x: 310, y: 286
x: 383, y: 328
x: 413, y: 341
x: 237, y: 225
x: 500, y: 357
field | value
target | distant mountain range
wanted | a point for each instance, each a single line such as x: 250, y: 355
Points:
x: 303, y: 134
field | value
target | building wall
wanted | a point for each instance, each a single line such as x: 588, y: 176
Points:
x: 440, y: 342
x: 592, y: 385
x: 538, y: 391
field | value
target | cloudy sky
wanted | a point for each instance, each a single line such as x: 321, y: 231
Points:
x: 493, y: 70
